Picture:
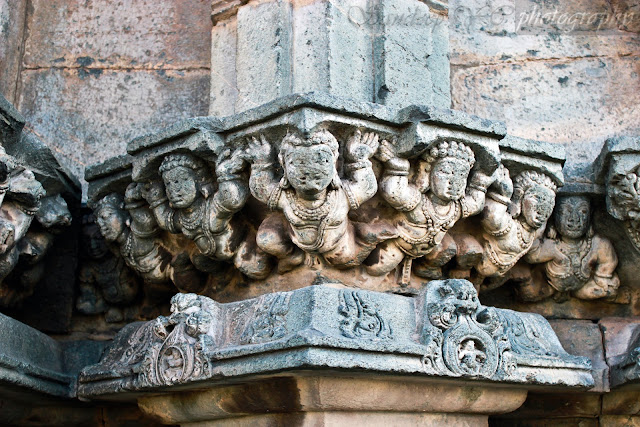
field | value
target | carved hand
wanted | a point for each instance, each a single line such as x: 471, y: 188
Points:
x: 258, y: 151
x: 153, y: 191
x: 386, y: 151
x: 362, y: 147
x: 134, y: 192
x: 230, y: 164
x: 503, y: 184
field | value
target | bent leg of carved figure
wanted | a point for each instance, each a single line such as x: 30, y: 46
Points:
x: 430, y: 266
x: 383, y: 259
x: 227, y: 242
x: 185, y: 276
x: 273, y: 238
x: 468, y: 255
x: 530, y: 283
x: 349, y: 252
x: 252, y: 261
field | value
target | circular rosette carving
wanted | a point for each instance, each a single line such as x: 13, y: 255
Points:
x: 470, y: 351
x: 175, y: 363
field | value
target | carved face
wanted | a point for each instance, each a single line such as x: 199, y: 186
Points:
x: 537, y: 205
x: 94, y: 243
x: 310, y: 169
x: 448, y: 179
x: 572, y: 216
x: 111, y: 222
x: 180, y: 185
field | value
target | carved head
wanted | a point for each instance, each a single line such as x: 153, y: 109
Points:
x: 445, y: 170
x: 183, y: 176
x: 310, y: 164
x: 534, y: 196
x: 94, y: 243
x: 572, y: 216
x: 54, y: 213
x: 111, y: 216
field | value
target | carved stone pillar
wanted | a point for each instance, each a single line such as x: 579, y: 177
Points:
x: 389, y: 52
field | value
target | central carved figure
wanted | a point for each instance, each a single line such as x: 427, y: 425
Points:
x: 433, y: 203
x: 314, y: 200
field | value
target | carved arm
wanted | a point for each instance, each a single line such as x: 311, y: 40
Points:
x: 476, y: 192
x: 495, y: 217
x: 361, y: 184
x: 233, y: 191
x: 395, y: 187
x: 159, y: 204
x: 263, y: 181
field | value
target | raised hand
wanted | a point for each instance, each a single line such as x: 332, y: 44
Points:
x: 153, y: 191
x: 229, y: 164
x: 386, y: 151
x: 362, y: 147
x: 257, y: 151
x: 503, y: 184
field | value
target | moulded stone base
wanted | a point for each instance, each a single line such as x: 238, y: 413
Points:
x: 369, y: 419
x: 305, y: 400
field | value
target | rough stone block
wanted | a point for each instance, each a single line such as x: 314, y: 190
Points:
x: 143, y: 34
x: 409, y: 45
x: 584, y: 338
x: 87, y: 116
x: 559, y: 102
x: 263, y: 61
x: 617, y: 333
x: 224, y: 90
x: 12, y: 17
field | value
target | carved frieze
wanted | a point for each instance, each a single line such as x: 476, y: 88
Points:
x: 443, y: 332
x: 32, y: 210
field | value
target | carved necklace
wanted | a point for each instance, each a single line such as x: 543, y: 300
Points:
x: 571, y: 251
x: 443, y: 222
x: 524, y: 241
x: 312, y: 214
x: 192, y: 220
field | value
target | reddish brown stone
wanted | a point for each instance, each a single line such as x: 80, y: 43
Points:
x: 617, y: 333
x: 583, y: 338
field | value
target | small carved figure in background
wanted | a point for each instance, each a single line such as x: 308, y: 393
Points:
x: 314, y: 200
x: 576, y: 260
x: 189, y: 207
x: 106, y: 284
x: 438, y: 198
x: 511, y: 225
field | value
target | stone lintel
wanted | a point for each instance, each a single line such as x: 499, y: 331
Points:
x: 306, y: 399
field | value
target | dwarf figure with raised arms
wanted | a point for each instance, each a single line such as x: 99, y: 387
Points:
x: 191, y: 207
x: 514, y: 217
x: 315, y: 201
x: 577, y: 260
x: 432, y: 204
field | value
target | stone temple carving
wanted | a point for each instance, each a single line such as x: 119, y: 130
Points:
x: 314, y: 200
x: 370, y: 199
x: 576, y: 260
x: 624, y: 196
x: 459, y: 338
x: 433, y: 204
x: 514, y: 217
x: 106, y: 284
x: 29, y: 221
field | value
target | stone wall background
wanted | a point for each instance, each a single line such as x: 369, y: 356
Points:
x: 91, y: 75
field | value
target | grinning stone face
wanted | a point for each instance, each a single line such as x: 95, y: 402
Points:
x: 310, y: 169
x: 572, y: 216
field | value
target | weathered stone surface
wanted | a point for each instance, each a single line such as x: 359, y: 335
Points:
x: 98, y: 35
x: 76, y: 111
x: 555, y: 406
x: 12, y: 21
x: 617, y: 334
x: 584, y: 338
x: 315, y: 400
x: 559, y: 102
x: 620, y: 402
x: 457, y: 338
